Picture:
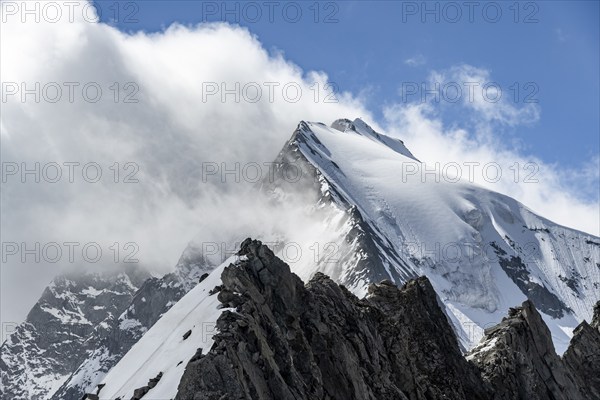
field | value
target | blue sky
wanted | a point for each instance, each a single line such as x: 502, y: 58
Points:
x: 548, y: 49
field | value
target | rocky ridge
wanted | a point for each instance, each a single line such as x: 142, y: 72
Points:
x: 287, y: 340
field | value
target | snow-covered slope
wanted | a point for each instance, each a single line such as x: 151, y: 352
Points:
x: 115, y: 336
x: 84, y: 323
x: 166, y: 348
x: 484, y: 252
x: 44, y: 350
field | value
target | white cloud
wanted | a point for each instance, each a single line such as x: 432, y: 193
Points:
x: 475, y: 89
x: 169, y: 133
x: 415, y: 61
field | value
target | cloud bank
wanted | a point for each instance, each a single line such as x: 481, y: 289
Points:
x: 170, y: 108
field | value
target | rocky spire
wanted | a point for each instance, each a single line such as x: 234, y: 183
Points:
x: 517, y: 358
x: 583, y: 355
x: 286, y: 340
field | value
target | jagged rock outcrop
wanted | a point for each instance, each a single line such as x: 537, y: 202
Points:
x: 517, y: 358
x: 286, y: 340
x: 291, y: 341
x: 583, y: 355
x: 142, y: 391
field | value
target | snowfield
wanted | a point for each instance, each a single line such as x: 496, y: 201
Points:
x: 164, y: 349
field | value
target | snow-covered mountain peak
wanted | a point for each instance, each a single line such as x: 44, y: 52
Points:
x: 483, y: 251
x: 360, y: 127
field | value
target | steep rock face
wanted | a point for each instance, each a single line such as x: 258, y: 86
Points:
x: 290, y: 341
x: 517, y: 270
x: 44, y: 350
x: 517, y: 358
x: 583, y: 355
x: 121, y: 331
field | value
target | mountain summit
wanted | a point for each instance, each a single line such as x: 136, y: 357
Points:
x: 483, y: 251
x: 465, y: 254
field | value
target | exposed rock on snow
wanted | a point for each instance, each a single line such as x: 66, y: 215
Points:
x: 517, y: 358
x: 583, y: 355
x: 286, y: 340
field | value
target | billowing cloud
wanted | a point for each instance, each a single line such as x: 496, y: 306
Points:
x: 475, y: 89
x: 174, y: 121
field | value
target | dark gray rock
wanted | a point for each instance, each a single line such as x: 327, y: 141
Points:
x: 99, y: 388
x: 142, y: 391
x: 583, y: 355
x: 291, y: 341
x: 287, y: 340
x: 517, y: 270
x: 154, y: 381
x: 517, y: 358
